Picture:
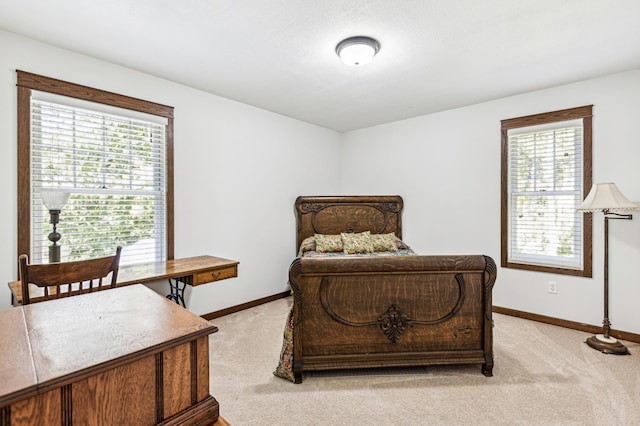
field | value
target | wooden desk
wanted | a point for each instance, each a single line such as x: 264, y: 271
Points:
x: 123, y: 356
x: 187, y: 271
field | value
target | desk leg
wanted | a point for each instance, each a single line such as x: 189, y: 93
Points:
x: 177, y: 291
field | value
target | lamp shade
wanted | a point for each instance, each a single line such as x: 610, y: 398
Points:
x: 357, y: 51
x: 54, y: 199
x: 606, y: 196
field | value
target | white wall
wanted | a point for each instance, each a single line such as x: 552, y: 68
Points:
x: 447, y: 168
x: 238, y: 170
x: 235, y: 163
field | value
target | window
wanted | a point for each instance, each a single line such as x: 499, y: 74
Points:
x: 546, y: 172
x: 112, y: 153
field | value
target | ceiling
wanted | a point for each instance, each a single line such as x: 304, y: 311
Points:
x: 279, y: 55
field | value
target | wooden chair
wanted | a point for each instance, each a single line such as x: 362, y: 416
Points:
x: 66, y: 279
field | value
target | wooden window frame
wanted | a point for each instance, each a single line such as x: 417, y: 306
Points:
x: 585, y: 113
x: 26, y: 82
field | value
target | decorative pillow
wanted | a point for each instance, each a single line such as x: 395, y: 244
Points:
x: 357, y: 243
x: 328, y: 243
x: 308, y: 244
x: 384, y: 242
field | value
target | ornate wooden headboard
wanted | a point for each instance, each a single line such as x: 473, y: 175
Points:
x: 333, y: 215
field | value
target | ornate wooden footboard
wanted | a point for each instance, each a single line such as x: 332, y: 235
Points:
x: 397, y: 311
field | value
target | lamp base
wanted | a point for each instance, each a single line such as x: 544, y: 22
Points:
x: 54, y: 253
x: 607, y: 345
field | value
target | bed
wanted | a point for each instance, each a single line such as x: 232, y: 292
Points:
x: 380, y: 307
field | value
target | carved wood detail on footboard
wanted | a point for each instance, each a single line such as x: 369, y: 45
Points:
x: 359, y: 312
x: 393, y: 321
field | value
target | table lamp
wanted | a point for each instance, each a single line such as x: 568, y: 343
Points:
x: 54, y: 201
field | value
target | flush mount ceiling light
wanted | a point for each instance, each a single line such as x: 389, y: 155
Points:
x: 357, y: 51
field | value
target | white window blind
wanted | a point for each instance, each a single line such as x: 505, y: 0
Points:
x: 113, y: 163
x: 545, y: 181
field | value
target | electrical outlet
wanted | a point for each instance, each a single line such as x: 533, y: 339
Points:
x: 553, y: 287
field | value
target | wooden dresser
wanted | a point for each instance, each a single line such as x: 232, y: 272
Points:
x: 125, y: 356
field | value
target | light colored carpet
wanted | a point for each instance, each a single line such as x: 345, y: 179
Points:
x: 543, y: 375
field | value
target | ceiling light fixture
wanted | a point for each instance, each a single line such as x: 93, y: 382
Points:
x: 357, y: 51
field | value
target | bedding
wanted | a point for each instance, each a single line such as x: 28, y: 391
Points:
x: 376, y: 303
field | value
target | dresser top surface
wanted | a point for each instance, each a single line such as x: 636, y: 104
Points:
x: 68, y: 337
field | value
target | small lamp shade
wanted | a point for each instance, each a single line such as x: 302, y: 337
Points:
x: 54, y: 199
x: 605, y: 197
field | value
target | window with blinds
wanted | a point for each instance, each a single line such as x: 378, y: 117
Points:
x: 112, y: 161
x: 546, y: 169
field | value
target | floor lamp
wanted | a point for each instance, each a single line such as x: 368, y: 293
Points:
x: 605, y: 197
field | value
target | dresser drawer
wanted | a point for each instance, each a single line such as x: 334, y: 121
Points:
x: 215, y: 275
